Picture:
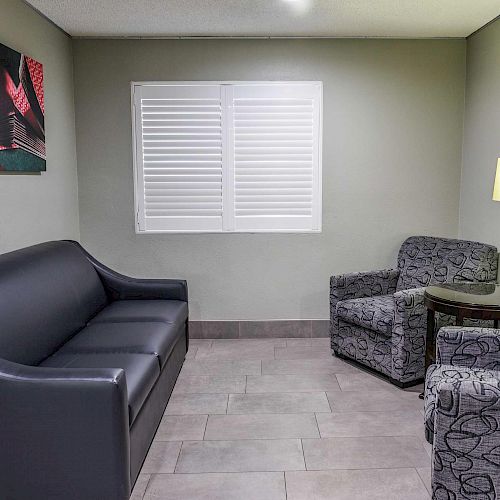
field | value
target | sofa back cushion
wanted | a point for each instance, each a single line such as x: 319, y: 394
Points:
x: 48, y: 292
x: 425, y: 260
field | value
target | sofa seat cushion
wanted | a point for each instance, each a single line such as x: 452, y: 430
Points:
x: 141, y: 372
x: 453, y: 375
x: 166, y: 311
x: 153, y: 338
x: 374, y: 313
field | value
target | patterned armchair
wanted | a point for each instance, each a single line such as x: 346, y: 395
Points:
x: 379, y: 319
x: 462, y: 414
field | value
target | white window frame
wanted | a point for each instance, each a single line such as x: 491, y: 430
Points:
x: 227, y: 165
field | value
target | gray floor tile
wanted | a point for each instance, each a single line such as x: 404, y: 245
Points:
x: 425, y: 474
x: 374, y: 426
x: 191, y: 404
x: 363, y: 382
x: 364, y: 453
x: 305, y: 402
x: 231, y: 368
x: 304, y: 366
x: 378, y: 484
x: 259, y: 455
x: 373, y: 401
x: 304, y: 342
x: 321, y: 342
x: 384, y: 423
x: 428, y: 447
x: 267, y: 426
x: 303, y: 352
x: 245, y: 351
x: 140, y: 487
x: 181, y: 428
x: 308, y: 382
x: 162, y: 457
x: 209, y: 384
x: 278, y: 328
x: 191, y: 353
x: 217, y: 486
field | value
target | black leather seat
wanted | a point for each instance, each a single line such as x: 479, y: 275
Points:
x: 167, y: 311
x: 153, y: 338
x: 88, y: 360
x: 141, y: 372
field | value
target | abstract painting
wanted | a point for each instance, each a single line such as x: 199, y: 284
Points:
x: 22, y: 110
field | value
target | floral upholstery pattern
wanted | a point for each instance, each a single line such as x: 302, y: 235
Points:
x: 358, y: 330
x: 470, y: 347
x: 462, y: 415
x: 453, y: 376
x: 359, y: 285
x: 375, y: 313
x: 424, y: 260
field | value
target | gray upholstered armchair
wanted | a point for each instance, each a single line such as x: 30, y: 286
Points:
x: 462, y: 414
x: 378, y: 318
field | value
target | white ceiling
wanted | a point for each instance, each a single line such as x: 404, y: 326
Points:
x: 315, y: 18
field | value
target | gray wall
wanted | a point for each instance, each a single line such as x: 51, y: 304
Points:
x: 35, y: 208
x: 393, y: 118
x: 479, y: 214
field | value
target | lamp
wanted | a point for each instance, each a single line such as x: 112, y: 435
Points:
x: 496, y: 187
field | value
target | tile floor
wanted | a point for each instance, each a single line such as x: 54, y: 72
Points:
x: 276, y: 419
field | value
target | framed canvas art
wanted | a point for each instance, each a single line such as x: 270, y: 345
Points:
x: 22, y: 127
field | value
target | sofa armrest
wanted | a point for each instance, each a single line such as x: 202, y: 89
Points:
x: 408, y: 335
x: 121, y: 287
x: 465, y: 457
x: 64, y: 433
x: 365, y: 284
x: 469, y: 347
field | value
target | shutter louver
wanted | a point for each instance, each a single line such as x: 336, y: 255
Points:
x: 181, y: 157
x: 276, y: 157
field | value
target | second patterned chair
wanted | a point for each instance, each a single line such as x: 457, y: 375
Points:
x: 462, y: 414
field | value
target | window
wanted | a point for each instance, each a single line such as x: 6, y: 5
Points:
x: 227, y: 157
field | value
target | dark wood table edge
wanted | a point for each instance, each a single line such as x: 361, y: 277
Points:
x: 460, y: 310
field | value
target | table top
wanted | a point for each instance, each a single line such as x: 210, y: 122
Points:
x: 481, y: 295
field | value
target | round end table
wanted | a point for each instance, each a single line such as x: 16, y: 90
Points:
x: 462, y: 300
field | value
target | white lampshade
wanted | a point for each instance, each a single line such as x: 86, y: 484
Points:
x: 496, y: 187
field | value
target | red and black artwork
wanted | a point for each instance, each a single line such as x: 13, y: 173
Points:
x: 22, y: 128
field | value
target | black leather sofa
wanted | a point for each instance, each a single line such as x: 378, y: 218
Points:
x: 88, y: 360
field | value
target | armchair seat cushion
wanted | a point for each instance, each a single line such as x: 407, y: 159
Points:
x: 375, y: 313
x: 153, y: 338
x: 141, y: 372
x: 166, y: 311
x: 454, y: 375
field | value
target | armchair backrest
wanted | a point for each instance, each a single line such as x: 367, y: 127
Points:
x: 426, y: 260
x: 48, y: 292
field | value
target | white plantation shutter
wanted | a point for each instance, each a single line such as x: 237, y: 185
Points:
x: 179, y: 157
x: 228, y: 157
x: 276, y: 156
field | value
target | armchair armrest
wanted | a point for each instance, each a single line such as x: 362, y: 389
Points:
x: 465, y: 458
x: 121, y: 287
x: 408, y: 335
x: 78, y: 418
x: 469, y: 347
x: 365, y: 284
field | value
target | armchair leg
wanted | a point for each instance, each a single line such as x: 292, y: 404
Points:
x: 397, y: 383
